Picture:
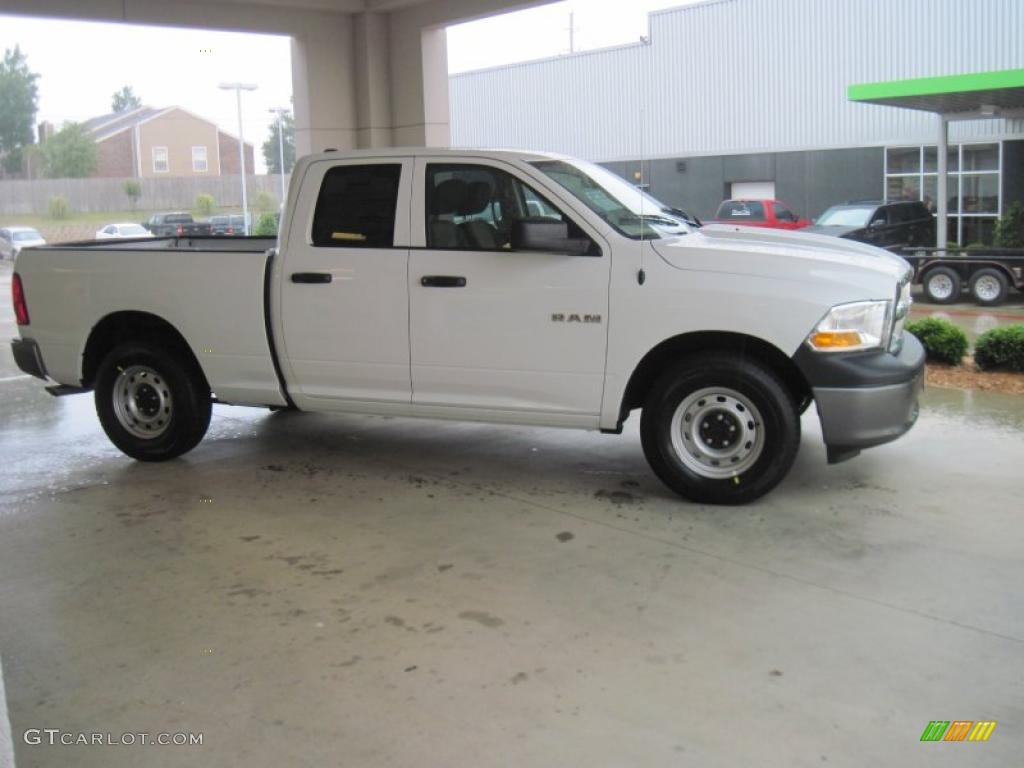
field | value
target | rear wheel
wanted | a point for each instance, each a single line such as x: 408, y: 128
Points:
x: 942, y: 285
x: 153, y: 403
x: 719, y: 429
x: 989, y: 287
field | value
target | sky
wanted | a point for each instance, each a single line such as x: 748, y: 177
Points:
x: 82, y: 64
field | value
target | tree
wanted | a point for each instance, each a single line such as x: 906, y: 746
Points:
x: 70, y: 153
x: 271, y: 150
x: 19, y: 97
x: 125, y: 100
x: 1010, y: 228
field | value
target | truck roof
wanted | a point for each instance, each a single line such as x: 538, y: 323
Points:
x: 515, y: 154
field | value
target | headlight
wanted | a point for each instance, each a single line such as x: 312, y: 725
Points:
x: 852, y: 327
x: 903, y: 302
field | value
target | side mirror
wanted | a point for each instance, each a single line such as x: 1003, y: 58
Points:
x: 876, y: 223
x: 548, y: 235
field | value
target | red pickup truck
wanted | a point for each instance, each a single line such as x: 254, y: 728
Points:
x: 759, y: 213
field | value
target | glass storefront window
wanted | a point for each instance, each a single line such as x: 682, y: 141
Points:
x: 903, y: 160
x: 931, y: 186
x: 980, y: 193
x: 931, y: 163
x: 977, y: 229
x: 981, y: 157
x: 973, y: 185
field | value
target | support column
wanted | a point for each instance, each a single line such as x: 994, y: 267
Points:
x: 419, y: 83
x: 372, y: 80
x: 324, y: 87
x: 941, y: 187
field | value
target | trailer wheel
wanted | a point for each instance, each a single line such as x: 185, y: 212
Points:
x: 942, y: 285
x: 989, y: 287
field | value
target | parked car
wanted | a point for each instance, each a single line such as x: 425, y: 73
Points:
x: 891, y: 225
x: 419, y: 282
x: 232, y: 225
x: 121, y: 231
x: 176, y: 225
x: 13, y: 239
x: 759, y: 213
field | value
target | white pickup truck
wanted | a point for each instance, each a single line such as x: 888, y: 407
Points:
x: 512, y: 287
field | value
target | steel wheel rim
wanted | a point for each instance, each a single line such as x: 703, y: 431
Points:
x: 940, y: 286
x: 717, y: 433
x: 142, y: 402
x: 987, y: 288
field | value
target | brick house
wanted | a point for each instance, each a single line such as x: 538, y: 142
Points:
x: 151, y: 142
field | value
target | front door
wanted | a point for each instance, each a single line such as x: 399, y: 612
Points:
x: 497, y: 328
x: 344, y: 302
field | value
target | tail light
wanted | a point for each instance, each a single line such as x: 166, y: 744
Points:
x: 181, y: 230
x: 18, y: 297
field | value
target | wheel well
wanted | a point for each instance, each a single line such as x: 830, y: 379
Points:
x: 130, y: 326
x: 672, y: 350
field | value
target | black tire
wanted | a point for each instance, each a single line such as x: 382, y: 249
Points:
x: 993, y: 284
x: 942, y: 285
x: 175, y: 384
x: 747, y: 379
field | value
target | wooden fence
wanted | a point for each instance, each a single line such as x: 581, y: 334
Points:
x: 98, y: 195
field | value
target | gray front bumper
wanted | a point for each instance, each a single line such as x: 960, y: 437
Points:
x: 862, y: 417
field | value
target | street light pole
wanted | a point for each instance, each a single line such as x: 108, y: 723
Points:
x: 238, y: 88
x: 280, y: 112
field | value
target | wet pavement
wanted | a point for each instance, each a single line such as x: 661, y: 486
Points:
x: 338, y: 590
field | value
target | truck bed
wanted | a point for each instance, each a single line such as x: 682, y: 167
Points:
x: 210, y: 289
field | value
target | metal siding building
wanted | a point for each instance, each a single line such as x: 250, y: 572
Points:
x: 759, y: 85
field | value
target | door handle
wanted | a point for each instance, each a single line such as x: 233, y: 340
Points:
x: 311, y: 277
x: 442, y: 281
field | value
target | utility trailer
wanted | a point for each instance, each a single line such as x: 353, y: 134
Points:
x: 986, y: 273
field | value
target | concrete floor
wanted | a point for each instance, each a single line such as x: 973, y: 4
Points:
x: 309, y: 590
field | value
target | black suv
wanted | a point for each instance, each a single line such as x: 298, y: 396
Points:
x: 891, y: 225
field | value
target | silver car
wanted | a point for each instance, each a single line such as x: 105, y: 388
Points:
x: 13, y: 239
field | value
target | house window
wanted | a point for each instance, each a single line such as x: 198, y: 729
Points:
x: 199, y: 164
x: 973, y: 186
x: 160, y: 160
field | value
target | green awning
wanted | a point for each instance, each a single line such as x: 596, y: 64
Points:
x: 977, y: 92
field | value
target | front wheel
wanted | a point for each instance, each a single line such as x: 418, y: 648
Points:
x: 720, y: 429
x: 154, y: 404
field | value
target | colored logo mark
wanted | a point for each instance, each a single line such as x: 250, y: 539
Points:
x: 958, y: 730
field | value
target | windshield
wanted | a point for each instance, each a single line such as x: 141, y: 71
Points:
x: 27, y: 234
x: 845, y: 217
x: 611, y: 197
x: 133, y: 229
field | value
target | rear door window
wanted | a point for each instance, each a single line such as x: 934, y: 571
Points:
x: 356, y: 207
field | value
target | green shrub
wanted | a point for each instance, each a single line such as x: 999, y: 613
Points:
x: 943, y: 342
x: 133, y: 191
x: 1010, y: 227
x: 265, y: 203
x: 266, y: 226
x: 205, y: 204
x: 58, y: 208
x: 1001, y: 348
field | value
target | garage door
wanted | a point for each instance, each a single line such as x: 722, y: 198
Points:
x: 753, y: 190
